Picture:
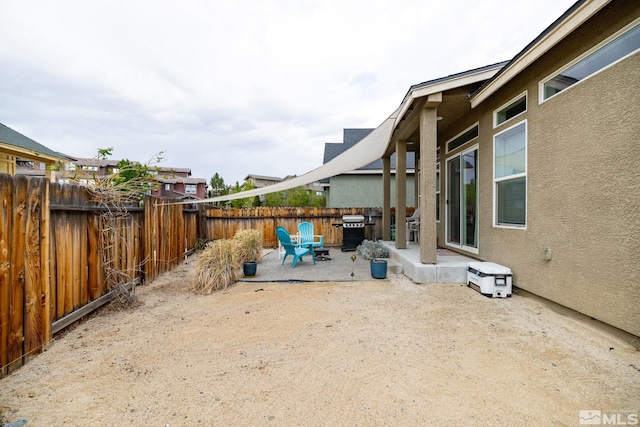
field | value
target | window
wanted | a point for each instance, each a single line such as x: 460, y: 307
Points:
x: 511, y: 110
x: 167, y: 187
x: 467, y: 135
x: 510, y: 176
x: 190, y: 188
x: 615, y: 49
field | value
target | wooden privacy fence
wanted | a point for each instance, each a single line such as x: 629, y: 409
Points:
x: 218, y: 223
x: 62, y: 250
x: 52, y: 268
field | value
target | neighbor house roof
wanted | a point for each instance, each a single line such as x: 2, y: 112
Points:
x: 263, y: 178
x: 352, y: 137
x: 180, y: 179
x: 25, y: 145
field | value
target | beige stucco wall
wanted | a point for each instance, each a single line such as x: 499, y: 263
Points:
x: 583, y: 184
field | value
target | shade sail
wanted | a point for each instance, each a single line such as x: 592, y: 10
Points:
x: 370, y: 148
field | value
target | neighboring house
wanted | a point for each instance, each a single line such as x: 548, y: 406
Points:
x: 361, y: 187
x: 173, y: 183
x: 179, y: 187
x: 260, y: 181
x: 20, y: 155
x: 539, y: 166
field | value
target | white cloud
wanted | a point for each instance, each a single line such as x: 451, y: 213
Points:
x: 236, y: 88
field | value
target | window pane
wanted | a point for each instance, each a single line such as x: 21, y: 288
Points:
x: 469, y: 201
x: 607, y: 54
x: 512, y: 201
x: 463, y: 139
x: 510, y: 151
x: 511, y: 110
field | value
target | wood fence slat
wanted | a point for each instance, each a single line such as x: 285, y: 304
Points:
x: 16, y: 326
x: 33, y: 312
x: 45, y: 257
x: 6, y: 223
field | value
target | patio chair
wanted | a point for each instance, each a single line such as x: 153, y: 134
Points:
x: 305, y: 229
x: 413, y: 225
x: 297, y: 250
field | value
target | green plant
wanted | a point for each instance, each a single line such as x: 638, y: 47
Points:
x: 201, y: 243
x: 217, y: 266
x: 371, y: 250
x: 248, y: 245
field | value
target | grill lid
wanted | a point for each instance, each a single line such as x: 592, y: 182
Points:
x: 352, y: 218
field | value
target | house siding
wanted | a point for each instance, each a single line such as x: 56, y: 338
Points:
x: 583, y: 182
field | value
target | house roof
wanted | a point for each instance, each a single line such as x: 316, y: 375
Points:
x: 352, y: 137
x: 25, y: 145
x: 263, y: 178
x: 575, y: 16
x: 453, y: 77
x: 180, y: 179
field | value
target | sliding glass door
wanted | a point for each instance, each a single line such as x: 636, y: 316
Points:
x: 462, y: 200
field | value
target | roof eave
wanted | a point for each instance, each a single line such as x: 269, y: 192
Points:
x: 442, y: 85
x: 28, y: 154
x: 574, y: 17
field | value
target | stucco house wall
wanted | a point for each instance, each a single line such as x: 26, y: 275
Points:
x: 583, y: 181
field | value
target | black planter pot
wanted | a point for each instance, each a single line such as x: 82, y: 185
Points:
x: 249, y: 268
x: 378, y: 268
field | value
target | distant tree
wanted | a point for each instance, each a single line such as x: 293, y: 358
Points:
x: 218, y: 187
x: 299, y: 196
x: 274, y: 199
x: 246, y: 202
x: 135, y: 177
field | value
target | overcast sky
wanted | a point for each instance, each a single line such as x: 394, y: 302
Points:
x: 236, y: 87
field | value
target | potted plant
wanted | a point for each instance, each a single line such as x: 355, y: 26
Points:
x: 249, y: 250
x: 374, y: 251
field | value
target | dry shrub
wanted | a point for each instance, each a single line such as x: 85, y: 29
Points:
x: 217, y: 266
x: 249, y: 245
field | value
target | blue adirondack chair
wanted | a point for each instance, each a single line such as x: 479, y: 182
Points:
x: 305, y: 229
x: 296, y: 249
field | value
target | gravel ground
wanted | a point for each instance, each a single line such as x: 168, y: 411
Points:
x: 363, y: 353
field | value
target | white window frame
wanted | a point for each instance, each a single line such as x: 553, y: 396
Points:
x: 462, y: 246
x: 190, y: 188
x: 446, y: 144
x: 510, y: 177
x: 609, y: 39
x: 506, y: 104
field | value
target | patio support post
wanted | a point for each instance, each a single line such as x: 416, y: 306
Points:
x: 386, y: 198
x: 428, y: 146
x: 416, y: 183
x: 401, y: 194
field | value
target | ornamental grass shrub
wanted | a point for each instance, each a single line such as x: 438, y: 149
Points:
x: 248, y: 245
x: 220, y: 263
x: 217, y: 266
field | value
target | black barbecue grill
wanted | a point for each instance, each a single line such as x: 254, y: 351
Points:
x: 352, y: 231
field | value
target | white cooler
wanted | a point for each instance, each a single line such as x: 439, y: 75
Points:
x: 490, y: 279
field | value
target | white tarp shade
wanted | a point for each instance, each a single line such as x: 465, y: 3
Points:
x: 370, y: 148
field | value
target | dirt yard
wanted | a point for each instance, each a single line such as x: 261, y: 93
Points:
x: 325, y: 354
